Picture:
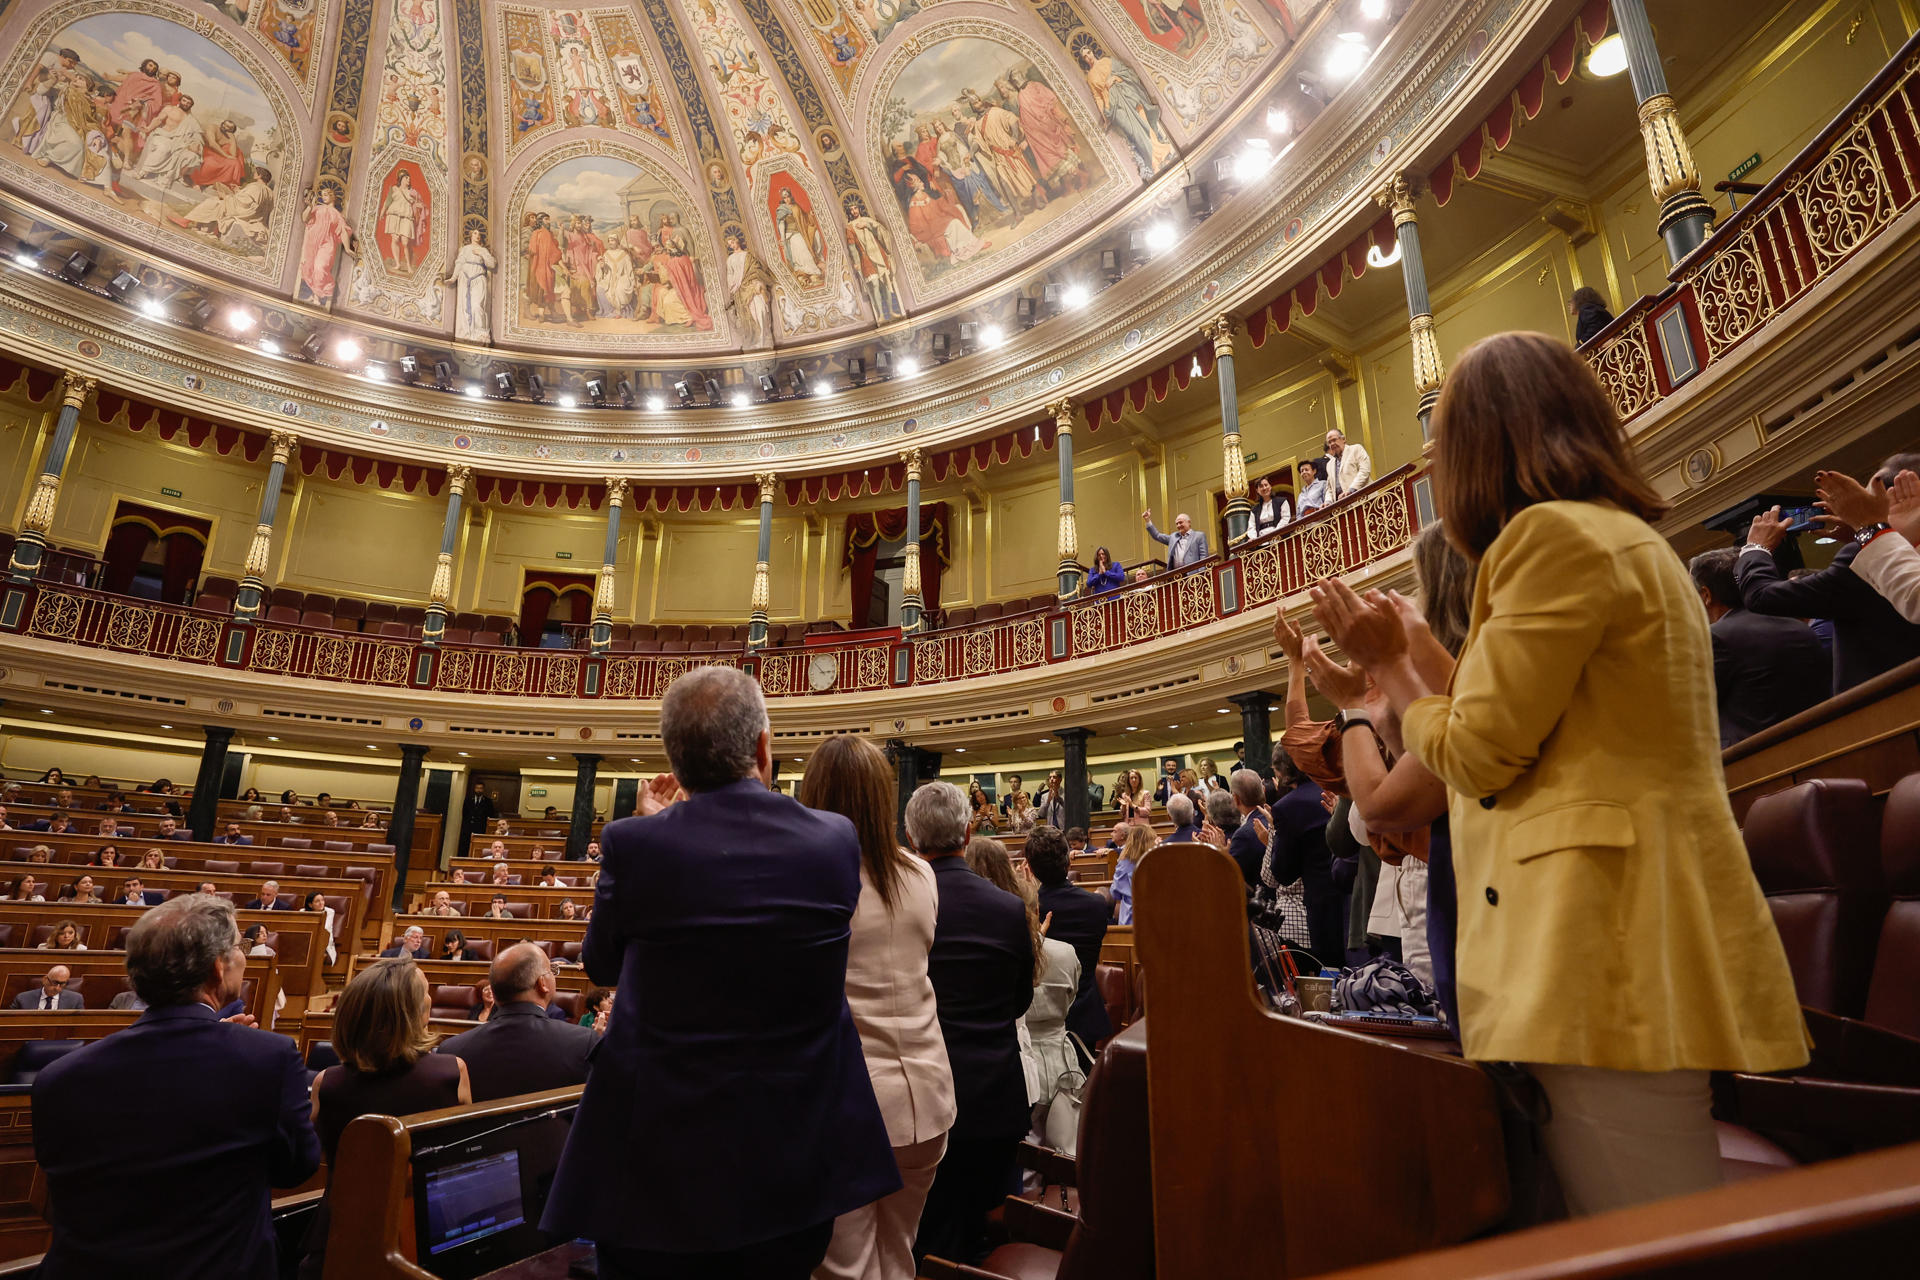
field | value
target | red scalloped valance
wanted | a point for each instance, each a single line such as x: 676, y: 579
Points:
x: 866, y: 528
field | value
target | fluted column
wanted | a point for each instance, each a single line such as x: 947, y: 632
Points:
x: 910, y: 603
x: 1233, y: 458
x: 762, y: 593
x: 30, y: 548
x: 442, y: 589
x: 603, y: 589
x: 1685, y: 215
x: 406, y: 805
x: 1062, y: 411
x: 1399, y: 196
x: 253, y: 585
x: 580, y: 821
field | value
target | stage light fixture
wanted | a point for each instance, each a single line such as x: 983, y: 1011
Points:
x: 1160, y: 237
x: 942, y: 348
x: 906, y: 366
x: 713, y: 391
x: 269, y: 346
x: 409, y: 369
x: 1608, y: 58
x: 1026, y: 311
x: 823, y: 388
x: 313, y: 344
x: 597, y: 391
x: 153, y: 308
x: 992, y: 335
x: 1074, y: 296
x: 240, y: 320
x: 1373, y: 10
x: 1199, y: 203
x: 347, y: 351
x: 123, y: 284
x: 566, y: 400
x: 883, y: 363
x: 536, y: 388
x: 969, y: 335
x: 202, y: 313
x: 475, y: 390
x: 375, y: 370
x: 503, y: 383
x: 443, y: 375
x: 1138, y: 249
x: 655, y: 404
x: 624, y: 389
x: 77, y: 265
x: 798, y: 381
x: 685, y: 393
x: 857, y: 371
x: 768, y: 387
x: 1110, y: 265
x: 1279, y: 122
x: 741, y: 399
x: 1348, y: 54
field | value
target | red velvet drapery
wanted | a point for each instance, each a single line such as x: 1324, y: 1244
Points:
x: 183, y: 542
x: 570, y: 594
x: 868, y: 529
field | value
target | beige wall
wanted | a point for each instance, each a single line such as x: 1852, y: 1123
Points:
x: 361, y: 540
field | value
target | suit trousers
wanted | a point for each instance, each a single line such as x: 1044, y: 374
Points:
x: 974, y: 1176
x: 875, y: 1241
x: 788, y: 1257
x: 1621, y: 1138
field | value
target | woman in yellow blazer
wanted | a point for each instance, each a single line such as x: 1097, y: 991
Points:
x: 1612, y: 936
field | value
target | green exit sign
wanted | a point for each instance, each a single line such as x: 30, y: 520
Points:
x: 537, y: 791
x: 169, y: 493
x: 1744, y: 168
x: 563, y: 555
x: 1253, y: 457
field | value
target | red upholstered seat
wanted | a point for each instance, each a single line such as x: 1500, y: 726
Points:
x: 283, y: 614
x: 457, y: 635
x: 213, y: 603
x: 315, y: 618
x: 318, y: 602
x: 480, y: 948
x: 493, y: 639
x: 307, y: 869
x: 348, y: 614
x: 267, y: 868
x: 1816, y: 852
x: 1893, y: 996
x: 673, y: 646
x: 960, y: 617
x: 287, y: 596
x: 569, y: 951
x: 694, y: 633
x: 469, y: 621
x: 379, y: 611
x: 224, y: 586
x: 296, y: 842
x: 337, y: 846
x: 671, y: 631
x: 222, y: 866
x: 395, y: 630
x: 988, y: 612
x: 453, y: 1001
x: 496, y: 626
x: 411, y: 614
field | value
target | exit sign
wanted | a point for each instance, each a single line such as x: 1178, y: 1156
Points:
x: 1253, y: 457
x: 537, y: 791
x: 563, y: 555
x: 1744, y: 168
x: 169, y: 493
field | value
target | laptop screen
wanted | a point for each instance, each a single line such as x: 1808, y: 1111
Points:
x: 473, y: 1199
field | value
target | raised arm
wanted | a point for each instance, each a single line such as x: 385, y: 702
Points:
x: 1293, y: 644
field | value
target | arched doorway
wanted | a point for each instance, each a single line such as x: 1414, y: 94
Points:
x: 154, y: 554
x: 556, y: 610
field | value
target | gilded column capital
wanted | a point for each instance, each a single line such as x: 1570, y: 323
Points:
x: 285, y: 445
x: 1069, y: 540
x: 766, y: 480
x: 459, y: 477
x: 1428, y: 371
x: 78, y: 387
x: 616, y: 490
x: 1220, y: 329
x: 442, y: 589
x: 1399, y: 196
x: 1670, y: 167
x: 1062, y: 412
x: 1233, y: 467
x: 914, y: 461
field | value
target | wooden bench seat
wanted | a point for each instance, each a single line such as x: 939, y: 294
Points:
x: 302, y: 945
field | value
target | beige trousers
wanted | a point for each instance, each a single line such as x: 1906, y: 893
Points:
x: 875, y: 1241
x: 1620, y: 1138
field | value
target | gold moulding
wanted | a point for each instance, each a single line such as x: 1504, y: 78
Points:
x: 1670, y: 166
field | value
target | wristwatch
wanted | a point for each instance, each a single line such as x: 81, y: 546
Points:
x: 1348, y: 717
x: 1872, y: 531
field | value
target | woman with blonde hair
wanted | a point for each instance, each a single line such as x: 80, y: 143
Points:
x: 891, y: 996
x: 1139, y: 840
x: 152, y: 860
x: 387, y: 1067
x: 1137, y: 804
x: 981, y: 807
x: 1612, y: 938
x: 65, y: 937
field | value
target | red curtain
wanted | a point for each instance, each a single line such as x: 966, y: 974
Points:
x: 544, y: 595
x: 126, y: 547
x: 534, y: 607
x: 182, y: 566
x: 868, y: 529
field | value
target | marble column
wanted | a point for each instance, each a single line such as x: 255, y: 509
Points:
x: 406, y: 802
x: 248, y: 604
x: 203, y: 811
x: 603, y: 589
x: 580, y: 824
x: 30, y: 548
x: 911, y: 606
x: 1074, y: 778
x: 1070, y: 569
x: 1685, y: 215
x: 762, y: 588
x: 442, y: 589
x: 1233, y: 458
x: 1256, y: 731
x: 1399, y: 196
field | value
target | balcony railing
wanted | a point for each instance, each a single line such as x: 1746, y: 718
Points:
x: 1833, y: 200
x: 1349, y: 536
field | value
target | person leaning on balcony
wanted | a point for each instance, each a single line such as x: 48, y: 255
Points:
x: 1612, y: 937
x: 1104, y: 574
x: 1313, y: 488
x: 1185, y: 545
x: 1590, y: 314
x: 1349, y: 469
x: 1271, y: 511
x: 1886, y: 520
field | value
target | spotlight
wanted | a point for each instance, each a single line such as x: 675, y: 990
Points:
x: 798, y: 381
x: 741, y: 400
x: 1199, y: 205
x: 1608, y: 58
x: 566, y: 401
x: 1279, y: 123
x: 409, y: 369
x: 312, y: 344
x: 77, y: 265
x: 942, y: 348
x: 969, y: 335
x: 1138, y: 249
x: 1074, y: 296
x: 123, y: 284
x: 624, y: 389
x: 655, y: 404
x: 1346, y: 57
x: 240, y: 320
x: 883, y: 363
x: 443, y: 375
x: 153, y: 307
x: 907, y: 366
x: 992, y: 335
x: 347, y: 351
x: 1226, y: 170
x: 536, y: 388
x: 1373, y: 10
x: 1110, y: 265
x: 1160, y: 236
x: 202, y: 313
x: 857, y: 371
x: 269, y: 346
x: 768, y: 387
x: 823, y: 388
x: 713, y: 391
x: 375, y: 370
x: 474, y: 390
x: 503, y: 383
x: 680, y: 389
x: 1025, y: 311
x: 597, y: 391
x: 1375, y: 258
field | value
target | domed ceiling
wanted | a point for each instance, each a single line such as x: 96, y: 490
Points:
x: 645, y: 178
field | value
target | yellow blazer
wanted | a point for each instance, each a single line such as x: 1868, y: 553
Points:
x: 1609, y: 916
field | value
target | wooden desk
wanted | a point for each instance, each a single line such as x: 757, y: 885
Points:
x: 486, y: 927
x: 99, y: 976
x: 302, y: 948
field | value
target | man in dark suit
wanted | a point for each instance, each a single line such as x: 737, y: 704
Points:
x: 412, y: 943
x: 133, y: 894
x: 234, y: 835
x: 1079, y: 920
x: 520, y: 1049
x: 729, y: 1117
x: 1248, y: 844
x: 53, y: 992
x: 225, y: 1117
x: 1764, y: 669
x: 170, y: 829
x: 269, y: 899
x: 477, y: 813
x: 1186, y: 827
x: 1169, y: 781
x: 981, y: 965
x: 1869, y: 635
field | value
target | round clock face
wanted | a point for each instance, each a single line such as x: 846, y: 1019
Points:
x: 822, y: 671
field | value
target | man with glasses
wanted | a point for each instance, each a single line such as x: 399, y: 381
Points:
x: 53, y: 993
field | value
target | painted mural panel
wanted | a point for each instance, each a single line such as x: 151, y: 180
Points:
x: 527, y: 95
x: 1197, y: 53
x: 814, y: 289
x: 578, y: 68
x: 636, y: 82
x: 989, y: 153
x: 610, y: 252
x: 290, y: 29
x: 137, y: 122
x: 762, y: 127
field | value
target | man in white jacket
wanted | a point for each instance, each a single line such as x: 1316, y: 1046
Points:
x: 1351, y: 470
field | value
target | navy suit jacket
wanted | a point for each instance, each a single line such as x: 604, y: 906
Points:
x: 1869, y: 635
x: 522, y: 1050
x: 982, y: 970
x: 278, y: 904
x: 223, y: 1117
x: 1300, y: 846
x: 1765, y: 670
x: 1080, y: 920
x: 234, y: 840
x: 1247, y: 846
x: 729, y: 1101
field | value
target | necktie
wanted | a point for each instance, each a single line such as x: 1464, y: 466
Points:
x: 46, y: 1001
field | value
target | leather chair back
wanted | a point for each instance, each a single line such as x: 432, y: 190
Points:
x: 1116, y: 992
x: 222, y: 866
x: 1893, y: 995
x: 1114, y: 1237
x: 453, y: 1001
x: 36, y: 1055
x: 1815, y: 850
x: 305, y: 869
x: 267, y: 868
x: 480, y: 948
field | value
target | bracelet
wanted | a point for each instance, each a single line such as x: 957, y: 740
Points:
x: 1872, y: 531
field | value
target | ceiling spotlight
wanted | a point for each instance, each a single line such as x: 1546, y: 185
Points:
x: 857, y: 371
x: 123, y: 284
x: 1075, y: 296
x: 1373, y: 10
x: 474, y: 390
x: 1279, y: 123
x: 597, y: 391
x: 969, y: 335
x: 566, y: 401
x: 741, y: 400
x: 536, y: 388
x: 1608, y: 58
x: 375, y: 370
x: 1375, y: 258
x: 153, y: 308
x: 1199, y: 204
x: 503, y: 383
x: 768, y: 387
x: 77, y: 265
x: 623, y: 389
x: 409, y: 369
x: 1346, y: 57
x: 798, y: 381
x: 1160, y: 236
x: 202, y: 313
x: 822, y: 389
x: 685, y: 393
x: 1110, y: 264
x: 713, y: 391
x: 347, y: 351
x: 442, y: 374
x: 241, y: 320
x: 992, y: 335
x: 311, y: 345
x: 269, y: 346
x: 1026, y: 311
x: 907, y: 366
x: 942, y: 348
x: 655, y: 404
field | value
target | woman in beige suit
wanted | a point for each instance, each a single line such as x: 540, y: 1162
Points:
x: 893, y: 1008
x: 1612, y: 937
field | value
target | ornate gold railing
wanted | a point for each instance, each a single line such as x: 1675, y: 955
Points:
x: 1350, y: 536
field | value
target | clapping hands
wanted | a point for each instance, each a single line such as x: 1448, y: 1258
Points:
x: 660, y: 795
